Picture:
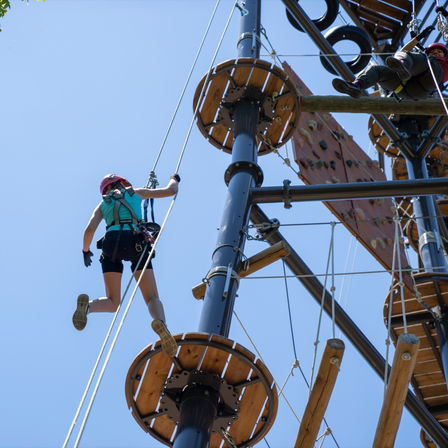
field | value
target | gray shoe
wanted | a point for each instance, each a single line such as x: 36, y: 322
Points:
x: 80, y: 315
x: 399, y: 68
x: 169, y: 344
x: 347, y: 87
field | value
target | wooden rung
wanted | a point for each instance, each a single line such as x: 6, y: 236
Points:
x: 254, y: 263
x: 402, y: 367
x: 321, y: 393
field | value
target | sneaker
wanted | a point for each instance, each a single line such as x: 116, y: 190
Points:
x: 80, y: 315
x: 349, y: 88
x: 399, y: 67
x: 169, y: 344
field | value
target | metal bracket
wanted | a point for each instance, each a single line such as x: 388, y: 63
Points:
x: 223, y: 271
x: 227, y: 283
x: 176, y: 385
x: 286, y: 195
x: 248, y: 35
x: 426, y: 238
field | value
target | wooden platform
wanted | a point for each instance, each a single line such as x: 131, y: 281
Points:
x: 428, y: 380
x: 254, y: 79
x: 152, y: 370
x: 382, y: 19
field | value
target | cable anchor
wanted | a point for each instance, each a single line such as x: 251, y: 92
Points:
x: 286, y: 194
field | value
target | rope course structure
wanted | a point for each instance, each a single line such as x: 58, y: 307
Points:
x: 248, y: 107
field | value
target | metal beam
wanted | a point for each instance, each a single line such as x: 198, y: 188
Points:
x: 354, y: 190
x: 350, y: 329
x: 437, y: 130
x: 373, y: 105
x: 341, y: 67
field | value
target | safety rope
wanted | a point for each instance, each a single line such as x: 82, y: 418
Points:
x: 261, y: 358
x: 176, y: 109
x: 106, y: 339
x: 442, y: 99
x: 80, y: 433
x: 324, y: 290
x: 296, y: 364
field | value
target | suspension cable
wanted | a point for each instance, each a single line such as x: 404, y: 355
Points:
x: 324, y: 290
x: 186, y: 85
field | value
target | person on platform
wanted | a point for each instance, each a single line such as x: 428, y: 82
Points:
x: 407, y: 73
x: 125, y: 239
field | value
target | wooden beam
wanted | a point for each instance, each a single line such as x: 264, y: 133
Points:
x: 253, y: 264
x: 402, y: 367
x: 320, y: 394
x: 370, y: 105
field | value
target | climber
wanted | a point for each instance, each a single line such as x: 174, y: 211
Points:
x: 407, y: 73
x: 124, y: 240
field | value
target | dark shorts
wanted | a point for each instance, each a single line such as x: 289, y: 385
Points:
x: 128, y: 246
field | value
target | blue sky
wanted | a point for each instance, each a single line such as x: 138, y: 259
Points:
x: 88, y: 88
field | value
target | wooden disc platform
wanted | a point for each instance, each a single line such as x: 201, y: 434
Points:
x: 383, y: 144
x: 252, y: 79
x: 426, y: 440
x: 200, y: 354
x: 428, y: 379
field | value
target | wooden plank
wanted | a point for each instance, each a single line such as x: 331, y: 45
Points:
x: 436, y: 390
x: 219, y: 133
x: 215, y: 440
x: 274, y: 84
x: 215, y: 359
x: 425, y: 355
x: 259, y: 75
x: 213, y: 98
x: 164, y: 426
x: 437, y: 401
x: 276, y: 128
x: 237, y: 369
x: 151, y: 387
x: 229, y: 141
x: 426, y: 367
x: 254, y: 263
x: 241, y: 75
x: 191, y: 355
x: 386, y: 9
x: 428, y: 379
x: 251, y: 403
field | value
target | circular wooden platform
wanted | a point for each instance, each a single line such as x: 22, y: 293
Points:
x: 153, y: 372
x: 426, y: 440
x: 253, y: 79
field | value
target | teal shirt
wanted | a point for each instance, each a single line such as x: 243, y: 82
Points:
x: 107, y: 211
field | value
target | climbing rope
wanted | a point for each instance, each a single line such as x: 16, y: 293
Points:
x: 176, y: 109
x: 106, y: 361
x: 324, y: 290
x: 442, y: 99
x: 296, y: 364
x: 261, y: 358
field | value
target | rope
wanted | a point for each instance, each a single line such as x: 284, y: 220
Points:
x: 114, y: 340
x: 205, y: 84
x: 296, y: 362
x: 259, y: 355
x: 437, y: 85
x: 186, y: 85
x: 106, y: 361
x: 324, y: 290
x: 92, y: 375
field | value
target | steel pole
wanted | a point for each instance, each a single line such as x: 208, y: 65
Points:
x: 430, y: 248
x: 198, y: 413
